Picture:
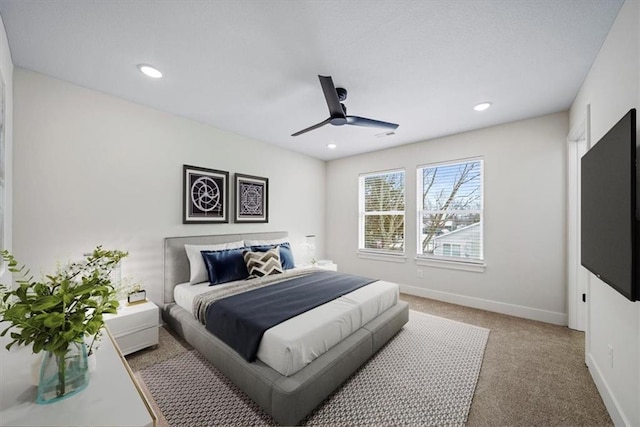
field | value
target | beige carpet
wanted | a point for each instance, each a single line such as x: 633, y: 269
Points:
x: 533, y: 373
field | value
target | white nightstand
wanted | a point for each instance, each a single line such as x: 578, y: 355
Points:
x: 326, y: 264
x: 135, y: 326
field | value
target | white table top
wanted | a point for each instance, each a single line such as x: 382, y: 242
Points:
x: 111, y: 398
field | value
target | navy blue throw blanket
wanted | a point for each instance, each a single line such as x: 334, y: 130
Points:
x: 241, y: 320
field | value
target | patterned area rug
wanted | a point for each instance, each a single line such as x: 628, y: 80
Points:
x: 426, y: 375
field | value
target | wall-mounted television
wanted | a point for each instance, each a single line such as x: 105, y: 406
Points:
x: 609, y: 209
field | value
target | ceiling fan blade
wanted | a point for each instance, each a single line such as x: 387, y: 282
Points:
x: 330, y: 94
x: 362, y: 121
x: 316, y: 126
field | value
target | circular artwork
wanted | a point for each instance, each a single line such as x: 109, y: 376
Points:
x: 205, y: 194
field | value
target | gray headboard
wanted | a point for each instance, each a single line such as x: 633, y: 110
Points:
x: 176, y: 263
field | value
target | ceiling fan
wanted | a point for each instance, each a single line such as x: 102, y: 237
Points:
x: 338, y: 112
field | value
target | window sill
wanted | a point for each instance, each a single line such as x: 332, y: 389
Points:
x: 452, y: 265
x: 382, y: 256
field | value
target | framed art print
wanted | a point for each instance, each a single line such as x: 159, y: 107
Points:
x: 252, y: 198
x: 205, y: 195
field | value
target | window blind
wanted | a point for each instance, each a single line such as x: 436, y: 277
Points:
x: 450, y: 207
x: 382, y: 211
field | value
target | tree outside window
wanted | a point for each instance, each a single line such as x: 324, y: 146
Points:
x: 450, y: 211
x: 382, y: 211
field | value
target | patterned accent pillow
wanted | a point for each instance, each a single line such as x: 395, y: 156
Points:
x: 286, y: 255
x: 261, y: 264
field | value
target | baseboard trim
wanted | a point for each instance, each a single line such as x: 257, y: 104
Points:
x: 546, y: 316
x: 610, y: 402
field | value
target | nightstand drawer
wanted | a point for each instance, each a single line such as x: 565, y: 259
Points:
x: 134, y: 318
x: 138, y: 340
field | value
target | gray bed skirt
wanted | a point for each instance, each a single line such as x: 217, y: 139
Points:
x: 289, y: 399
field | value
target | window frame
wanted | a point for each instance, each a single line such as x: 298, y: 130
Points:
x: 380, y: 254
x: 469, y: 264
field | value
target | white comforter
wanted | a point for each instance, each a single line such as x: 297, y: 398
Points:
x: 291, y: 345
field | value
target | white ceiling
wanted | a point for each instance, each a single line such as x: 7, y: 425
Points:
x: 251, y: 67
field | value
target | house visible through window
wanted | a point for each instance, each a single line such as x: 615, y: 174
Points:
x: 449, y: 249
x: 450, y: 211
x: 382, y: 211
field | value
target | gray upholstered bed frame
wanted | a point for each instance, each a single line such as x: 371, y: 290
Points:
x: 287, y: 399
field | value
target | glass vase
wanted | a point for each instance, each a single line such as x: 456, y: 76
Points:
x: 63, y: 375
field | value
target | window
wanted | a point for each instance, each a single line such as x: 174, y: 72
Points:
x: 450, y: 211
x: 449, y: 249
x: 382, y: 212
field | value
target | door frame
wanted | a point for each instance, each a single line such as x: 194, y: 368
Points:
x: 577, y: 276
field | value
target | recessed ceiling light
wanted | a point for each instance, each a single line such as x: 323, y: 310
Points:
x: 148, y: 70
x: 482, y: 106
x: 331, y: 146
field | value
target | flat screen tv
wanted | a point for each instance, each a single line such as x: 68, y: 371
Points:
x: 609, y: 210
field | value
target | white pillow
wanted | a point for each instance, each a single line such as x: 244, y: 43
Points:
x: 266, y: 242
x: 196, y: 263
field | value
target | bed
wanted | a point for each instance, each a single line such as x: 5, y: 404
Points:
x: 287, y: 392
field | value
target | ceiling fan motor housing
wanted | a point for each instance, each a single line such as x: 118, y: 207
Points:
x: 338, y: 121
x: 342, y: 93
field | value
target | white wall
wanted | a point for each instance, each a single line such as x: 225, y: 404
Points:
x: 524, y: 218
x: 612, y: 87
x: 6, y: 69
x: 95, y: 169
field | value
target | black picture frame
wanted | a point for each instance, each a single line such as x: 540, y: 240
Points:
x: 205, y: 195
x: 251, y: 199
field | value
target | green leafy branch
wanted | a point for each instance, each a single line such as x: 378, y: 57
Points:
x: 62, y: 308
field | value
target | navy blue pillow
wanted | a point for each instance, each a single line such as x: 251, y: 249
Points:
x: 225, y: 266
x: 286, y: 256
